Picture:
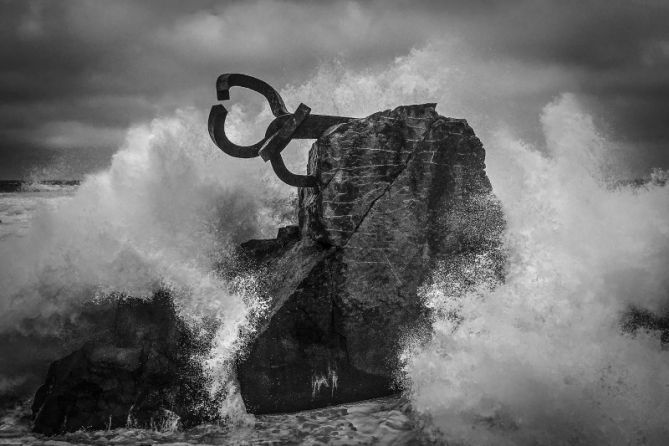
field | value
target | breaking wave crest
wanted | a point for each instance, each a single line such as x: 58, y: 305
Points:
x: 544, y: 357
x: 168, y: 211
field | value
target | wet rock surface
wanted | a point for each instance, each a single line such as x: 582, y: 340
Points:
x: 142, y: 374
x: 398, y: 192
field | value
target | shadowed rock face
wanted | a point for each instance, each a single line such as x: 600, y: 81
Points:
x: 142, y: 375
x: 398, y: 191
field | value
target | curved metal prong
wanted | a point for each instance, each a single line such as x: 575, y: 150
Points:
x: 289, y: 177
x: 279, y: 133
x: 216, y: 126
x: 229, y: 80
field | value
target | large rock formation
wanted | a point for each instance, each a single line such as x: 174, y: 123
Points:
x: 142, y: 374
x: 398, y: 192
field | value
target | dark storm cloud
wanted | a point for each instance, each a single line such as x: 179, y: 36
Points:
x: 76, y: 74
x: 616, y: 53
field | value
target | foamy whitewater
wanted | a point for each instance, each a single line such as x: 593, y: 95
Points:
x: 542, y: 358
x: 167, y: 211
x: 538, y: 359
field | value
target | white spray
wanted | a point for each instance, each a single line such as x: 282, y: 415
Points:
x: 164, y: 214
x: 541, y: 358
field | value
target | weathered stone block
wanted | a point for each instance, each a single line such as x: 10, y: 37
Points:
x: 398, y: 191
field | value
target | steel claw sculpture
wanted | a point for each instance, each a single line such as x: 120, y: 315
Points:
x: 285, y: 127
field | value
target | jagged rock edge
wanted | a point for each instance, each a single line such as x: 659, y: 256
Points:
x: 387, y: 111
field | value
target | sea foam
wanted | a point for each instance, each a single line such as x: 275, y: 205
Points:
x: 542, y: 358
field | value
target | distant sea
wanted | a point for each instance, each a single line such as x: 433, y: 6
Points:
x: 7, y: 186
x: 19, y: 200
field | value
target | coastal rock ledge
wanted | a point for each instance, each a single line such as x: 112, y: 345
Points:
x: 399, y: 192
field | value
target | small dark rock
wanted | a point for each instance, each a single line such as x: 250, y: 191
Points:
x: 260, y: 250
x: 142, y: 376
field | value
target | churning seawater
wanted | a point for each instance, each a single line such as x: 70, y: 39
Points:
x: 538, y: 359
x: 543, y: 358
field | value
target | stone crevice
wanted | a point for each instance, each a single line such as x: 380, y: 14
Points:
x: 373, y: 202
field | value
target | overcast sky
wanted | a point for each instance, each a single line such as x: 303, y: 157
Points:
x: 76, y: 74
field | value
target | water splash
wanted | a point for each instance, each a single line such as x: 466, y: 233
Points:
x: 165, y: 215
x: 542, y: 358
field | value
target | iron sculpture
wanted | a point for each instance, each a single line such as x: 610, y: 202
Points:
x: 285, y: 127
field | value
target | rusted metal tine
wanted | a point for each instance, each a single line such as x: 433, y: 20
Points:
x: 285, y: 127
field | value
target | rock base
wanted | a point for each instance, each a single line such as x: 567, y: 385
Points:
x: 143, y: 375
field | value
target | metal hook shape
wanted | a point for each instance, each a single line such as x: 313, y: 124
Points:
x: 285, y: 127
x: 227, y: 81
x: 218, y: 113
x: 216, y: 126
